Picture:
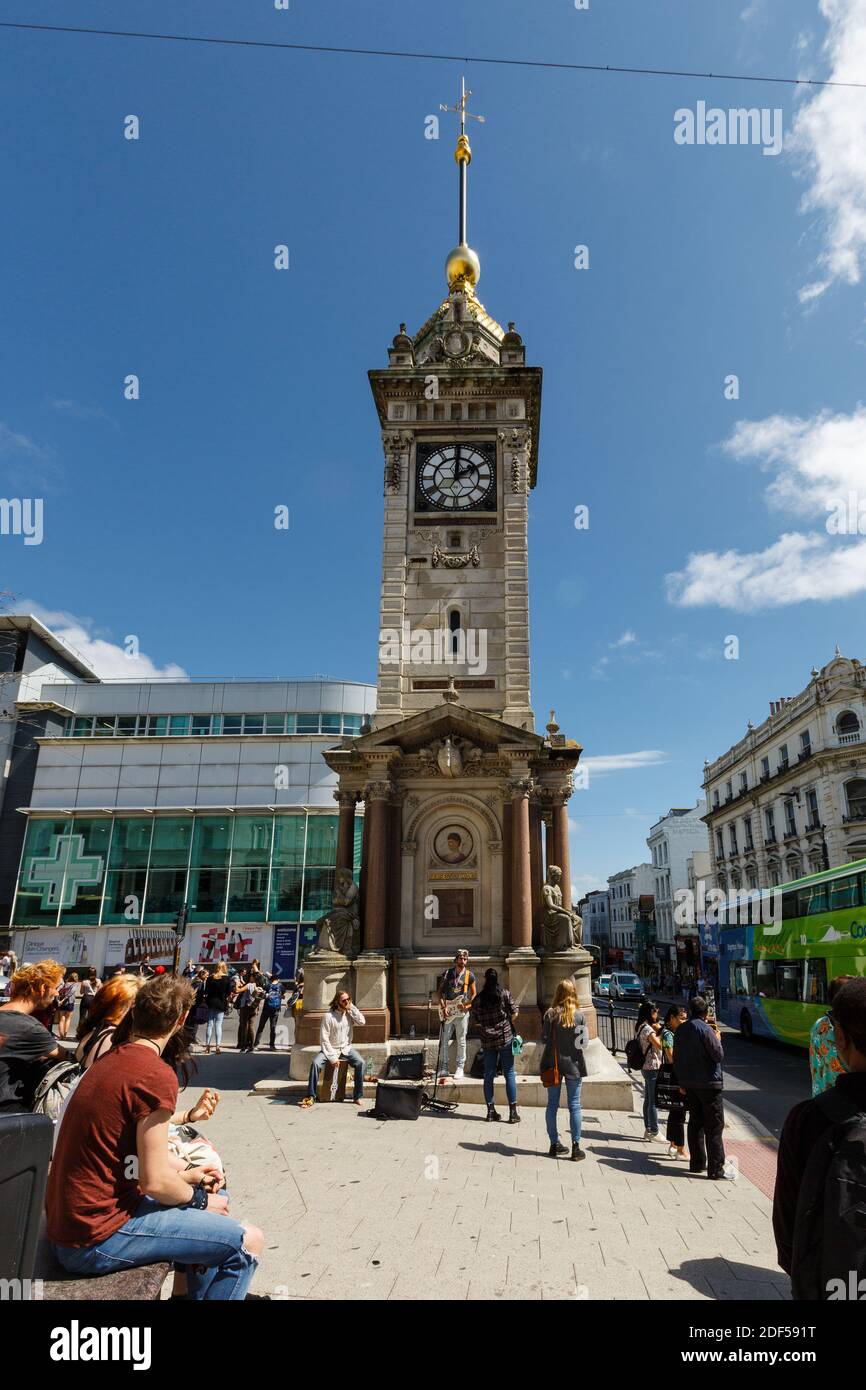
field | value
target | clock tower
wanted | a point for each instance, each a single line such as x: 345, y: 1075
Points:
x: 459, y: 411
x: 465, y: 804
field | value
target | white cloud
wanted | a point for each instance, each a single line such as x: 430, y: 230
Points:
x: 828, y: 142
x: 795, y: 568
x: 108, y: 659
x: 604, y: 763
x: 816, y: 465
x: 627, y: 639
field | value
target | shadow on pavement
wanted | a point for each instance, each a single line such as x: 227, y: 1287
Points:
x: 736, y: 1279
x: 504, y: 1150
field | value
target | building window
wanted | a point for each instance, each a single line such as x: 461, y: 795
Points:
x: 783, y: 757
x: 178, y: 724
x: 747, y: 830
x: 729, y: 792
x: 765, y: 769
x: 744, y: 783
x: 848, y: 727
x: 715, y: 799
x: 814, y: 821
x: 805, y: 744
x: 770, y: 827
x: 790, y: 818
x: 720, y: 849
x: 732, y: 835
x: 454, y: 628
x: 855, y: 795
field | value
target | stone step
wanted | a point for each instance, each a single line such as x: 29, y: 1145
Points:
x: 595, y: 1094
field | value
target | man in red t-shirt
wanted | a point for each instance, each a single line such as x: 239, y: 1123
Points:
x: 114, y: 1199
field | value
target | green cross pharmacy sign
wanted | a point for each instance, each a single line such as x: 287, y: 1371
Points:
x: 59, y: 876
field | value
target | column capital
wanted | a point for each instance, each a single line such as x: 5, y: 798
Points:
x: 520, y: 787
x: 345, y: 799
x: 378, y: 791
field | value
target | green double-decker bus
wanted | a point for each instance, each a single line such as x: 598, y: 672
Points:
x: 774, y: 975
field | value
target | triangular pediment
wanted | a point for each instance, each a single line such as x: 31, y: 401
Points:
x: 449, y: 721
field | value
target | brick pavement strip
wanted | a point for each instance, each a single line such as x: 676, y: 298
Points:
x: 460, y: 1209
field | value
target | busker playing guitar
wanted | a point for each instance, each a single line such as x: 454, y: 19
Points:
x: 456, y: 992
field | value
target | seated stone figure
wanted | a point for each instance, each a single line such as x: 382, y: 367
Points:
x: 340, y: 929
x: 563, y: 929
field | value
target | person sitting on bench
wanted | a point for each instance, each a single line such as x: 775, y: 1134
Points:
x: 26, y: 1046
x: 115, y: 1199
x: 336, y: 1043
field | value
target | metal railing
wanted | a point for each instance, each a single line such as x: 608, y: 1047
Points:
x: 615, y: 1023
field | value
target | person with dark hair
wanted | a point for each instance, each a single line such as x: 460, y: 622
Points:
x: 647, y: 1030
x: 821, y: 1169
x: 247, y: 1004
x: 825, y: 1063
x: 273, y: 1001
x: 335, y: 1041
x: 494, y: 1011
x: 668, y: 1086
x: 114, y: 1198
x: 697, y: 1057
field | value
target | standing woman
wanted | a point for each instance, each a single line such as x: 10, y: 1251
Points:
x: 494, y: 1011
x: 216, y: 996
x: 647, y: 1031
x: 66, y: 996
x: 564, y: 1036
x: 88, y: 994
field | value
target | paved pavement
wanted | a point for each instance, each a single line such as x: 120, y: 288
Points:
x: 450, y: 1207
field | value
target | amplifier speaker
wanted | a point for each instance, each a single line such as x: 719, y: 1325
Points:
x: 398, y: 1101
x: 405, y: 1066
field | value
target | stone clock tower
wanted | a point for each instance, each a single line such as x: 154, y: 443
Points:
x: 465, y: 804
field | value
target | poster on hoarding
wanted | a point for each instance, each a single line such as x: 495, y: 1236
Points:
x: 234, y: 945
x: 73, y: 949
x: 128, y: 946
x: 285, y: 951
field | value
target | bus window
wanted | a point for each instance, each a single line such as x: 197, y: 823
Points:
x: 843, y: 892
x: 815, y: 982
x: 741, y: 978
x: 791, y: 907
x: 789, y: 985
x: 812, y: 900
x: 765, y: 985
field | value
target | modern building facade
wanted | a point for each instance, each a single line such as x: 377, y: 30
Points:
x: 789, y: 799
x: 30, y: 656
x: 671, y: 841
x: 151, y: 796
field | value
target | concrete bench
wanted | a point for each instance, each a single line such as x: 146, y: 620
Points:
x: 140, y: 1285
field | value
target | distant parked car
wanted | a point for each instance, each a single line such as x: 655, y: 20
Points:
x: 602, y: 985
x: 625, y: 985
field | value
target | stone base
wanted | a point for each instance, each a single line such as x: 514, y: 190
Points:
x: 607, y: 1087
x: 570, y: 965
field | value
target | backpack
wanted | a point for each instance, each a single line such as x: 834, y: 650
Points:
x: 50, y: 1095
x: 635, y: 1054
x: 830, y: 1223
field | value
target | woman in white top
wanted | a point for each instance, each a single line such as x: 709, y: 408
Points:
x: 647, y: 1030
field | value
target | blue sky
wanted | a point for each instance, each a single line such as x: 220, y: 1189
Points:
x: 155, y: 257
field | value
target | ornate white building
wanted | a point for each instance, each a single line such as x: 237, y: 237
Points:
x: 624, y: 891
x: 790, y: 798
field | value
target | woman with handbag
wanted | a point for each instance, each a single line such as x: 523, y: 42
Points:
x: 669, y: 1094
x: 494, y: 1011
x: 198, y: 1012
x: 564, y: 1036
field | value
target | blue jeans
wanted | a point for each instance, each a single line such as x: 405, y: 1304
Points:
x: 506, y: 1057
x: 355, y: 1060
x: 214, y: 1027
x: 572, y: 1090
x: 179, y: 1235
x: 650, y: 1113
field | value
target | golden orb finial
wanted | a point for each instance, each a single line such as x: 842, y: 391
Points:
x: 462, y: 268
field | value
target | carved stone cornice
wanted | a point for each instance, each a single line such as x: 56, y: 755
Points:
x: 455, y: 560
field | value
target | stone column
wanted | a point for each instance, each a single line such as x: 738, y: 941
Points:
x: 560, y: 839
x: 376, y: 796
x: 536, y: 874
x: 521, y: 892
x: 346, y: 830
x: 549, y: 840
x: 507, y: 858
x: 395, y: 865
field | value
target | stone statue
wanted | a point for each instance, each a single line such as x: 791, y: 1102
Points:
x: 340, y: 929
x: 563, y: 929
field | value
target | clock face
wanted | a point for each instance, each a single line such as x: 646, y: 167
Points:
x: 456, y: 478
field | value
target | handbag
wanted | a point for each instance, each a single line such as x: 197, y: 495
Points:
x: 551, y: 1076
x: 200, y: 1014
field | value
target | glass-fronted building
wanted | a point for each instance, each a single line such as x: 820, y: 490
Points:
x: 155, y: 796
